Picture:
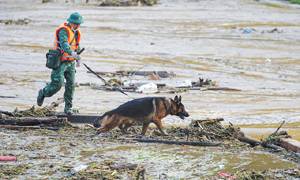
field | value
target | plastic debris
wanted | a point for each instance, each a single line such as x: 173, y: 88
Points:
x: 78, y: 168
x: 147, y: 88
x: 8, y: 158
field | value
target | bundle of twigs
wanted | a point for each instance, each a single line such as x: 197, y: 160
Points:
x: 33, y: 118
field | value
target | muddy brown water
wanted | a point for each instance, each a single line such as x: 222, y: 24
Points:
x: 226, y: 41
x: 194, y: 39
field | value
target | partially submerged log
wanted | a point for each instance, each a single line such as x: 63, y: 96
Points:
x: 80, y: 118
x: 245, y: 139
x: 290, y: 144
x: 271, y: 146
x: 32, y: 121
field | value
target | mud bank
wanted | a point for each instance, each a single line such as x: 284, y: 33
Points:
x: 43, y: 153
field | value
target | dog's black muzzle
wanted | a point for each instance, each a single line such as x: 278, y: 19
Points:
x: 182, y: 115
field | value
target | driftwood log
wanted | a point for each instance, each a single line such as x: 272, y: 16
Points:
x: 245, y: 139
x: 275, y: 141
x: 33, y: 121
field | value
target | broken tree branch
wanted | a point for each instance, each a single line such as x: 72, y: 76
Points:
x: 8, y: 96
x: 274, y: 133
x: 7, y: 113
x: 105, y: 82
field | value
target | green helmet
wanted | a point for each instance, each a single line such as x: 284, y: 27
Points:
x: 75, y: 18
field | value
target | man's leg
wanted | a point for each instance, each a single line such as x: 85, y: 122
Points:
x: 57, y: 79
x: 69, y: 87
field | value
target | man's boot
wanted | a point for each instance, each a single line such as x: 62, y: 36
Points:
x: 69, y: 111
x: 40, y: 98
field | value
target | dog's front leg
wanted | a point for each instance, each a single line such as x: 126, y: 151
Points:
x: 145, y: 127
x: 159, y: 126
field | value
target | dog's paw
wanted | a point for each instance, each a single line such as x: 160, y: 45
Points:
x: 140, y: 136
x: 164, y: 134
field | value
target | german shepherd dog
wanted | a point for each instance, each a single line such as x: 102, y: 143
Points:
x: 141, y: 111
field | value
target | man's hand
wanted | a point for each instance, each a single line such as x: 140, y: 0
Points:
x: 75, y: 55
x: 77, y: 63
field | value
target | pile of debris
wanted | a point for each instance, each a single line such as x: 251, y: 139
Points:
x: 107, y: 2
x: 34, y: 118
x: 128, y: 2
x: 268, y: 174
x: 16, y: 22
x: 151, y: 85
x: 107, y: 169
x: 208, y: 132
x: 211, y: 132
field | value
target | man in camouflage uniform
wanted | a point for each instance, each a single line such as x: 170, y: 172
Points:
x: 67, y: 39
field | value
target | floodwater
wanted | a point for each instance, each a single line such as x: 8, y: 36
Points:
x: 232, y: 42
x: 229, y: 42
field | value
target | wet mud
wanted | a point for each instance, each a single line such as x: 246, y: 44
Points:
x: 71, y: 153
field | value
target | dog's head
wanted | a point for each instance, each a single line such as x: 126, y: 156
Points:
x: 177, y: 108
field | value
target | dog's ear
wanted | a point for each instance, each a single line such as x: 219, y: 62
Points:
x: 172, y: 100
x: 179, y: 99
x: 176, y: 98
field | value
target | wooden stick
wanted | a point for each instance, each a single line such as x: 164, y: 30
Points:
x: 55, y: 103
x: 274, y: 133
x: 6, y: 113
x: 106, y: 83
x: 8, y: 96
x: 220, y: 89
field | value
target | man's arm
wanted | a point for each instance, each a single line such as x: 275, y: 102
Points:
x: 63, y: 41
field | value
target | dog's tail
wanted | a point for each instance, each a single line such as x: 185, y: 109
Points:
x: 96, y: 123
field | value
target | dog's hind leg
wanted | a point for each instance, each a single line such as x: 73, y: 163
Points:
x: 159, y: 126
x: 145, y: 127
x: 126, y: 126
x: 102, y: 130
x: 123, y: 128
